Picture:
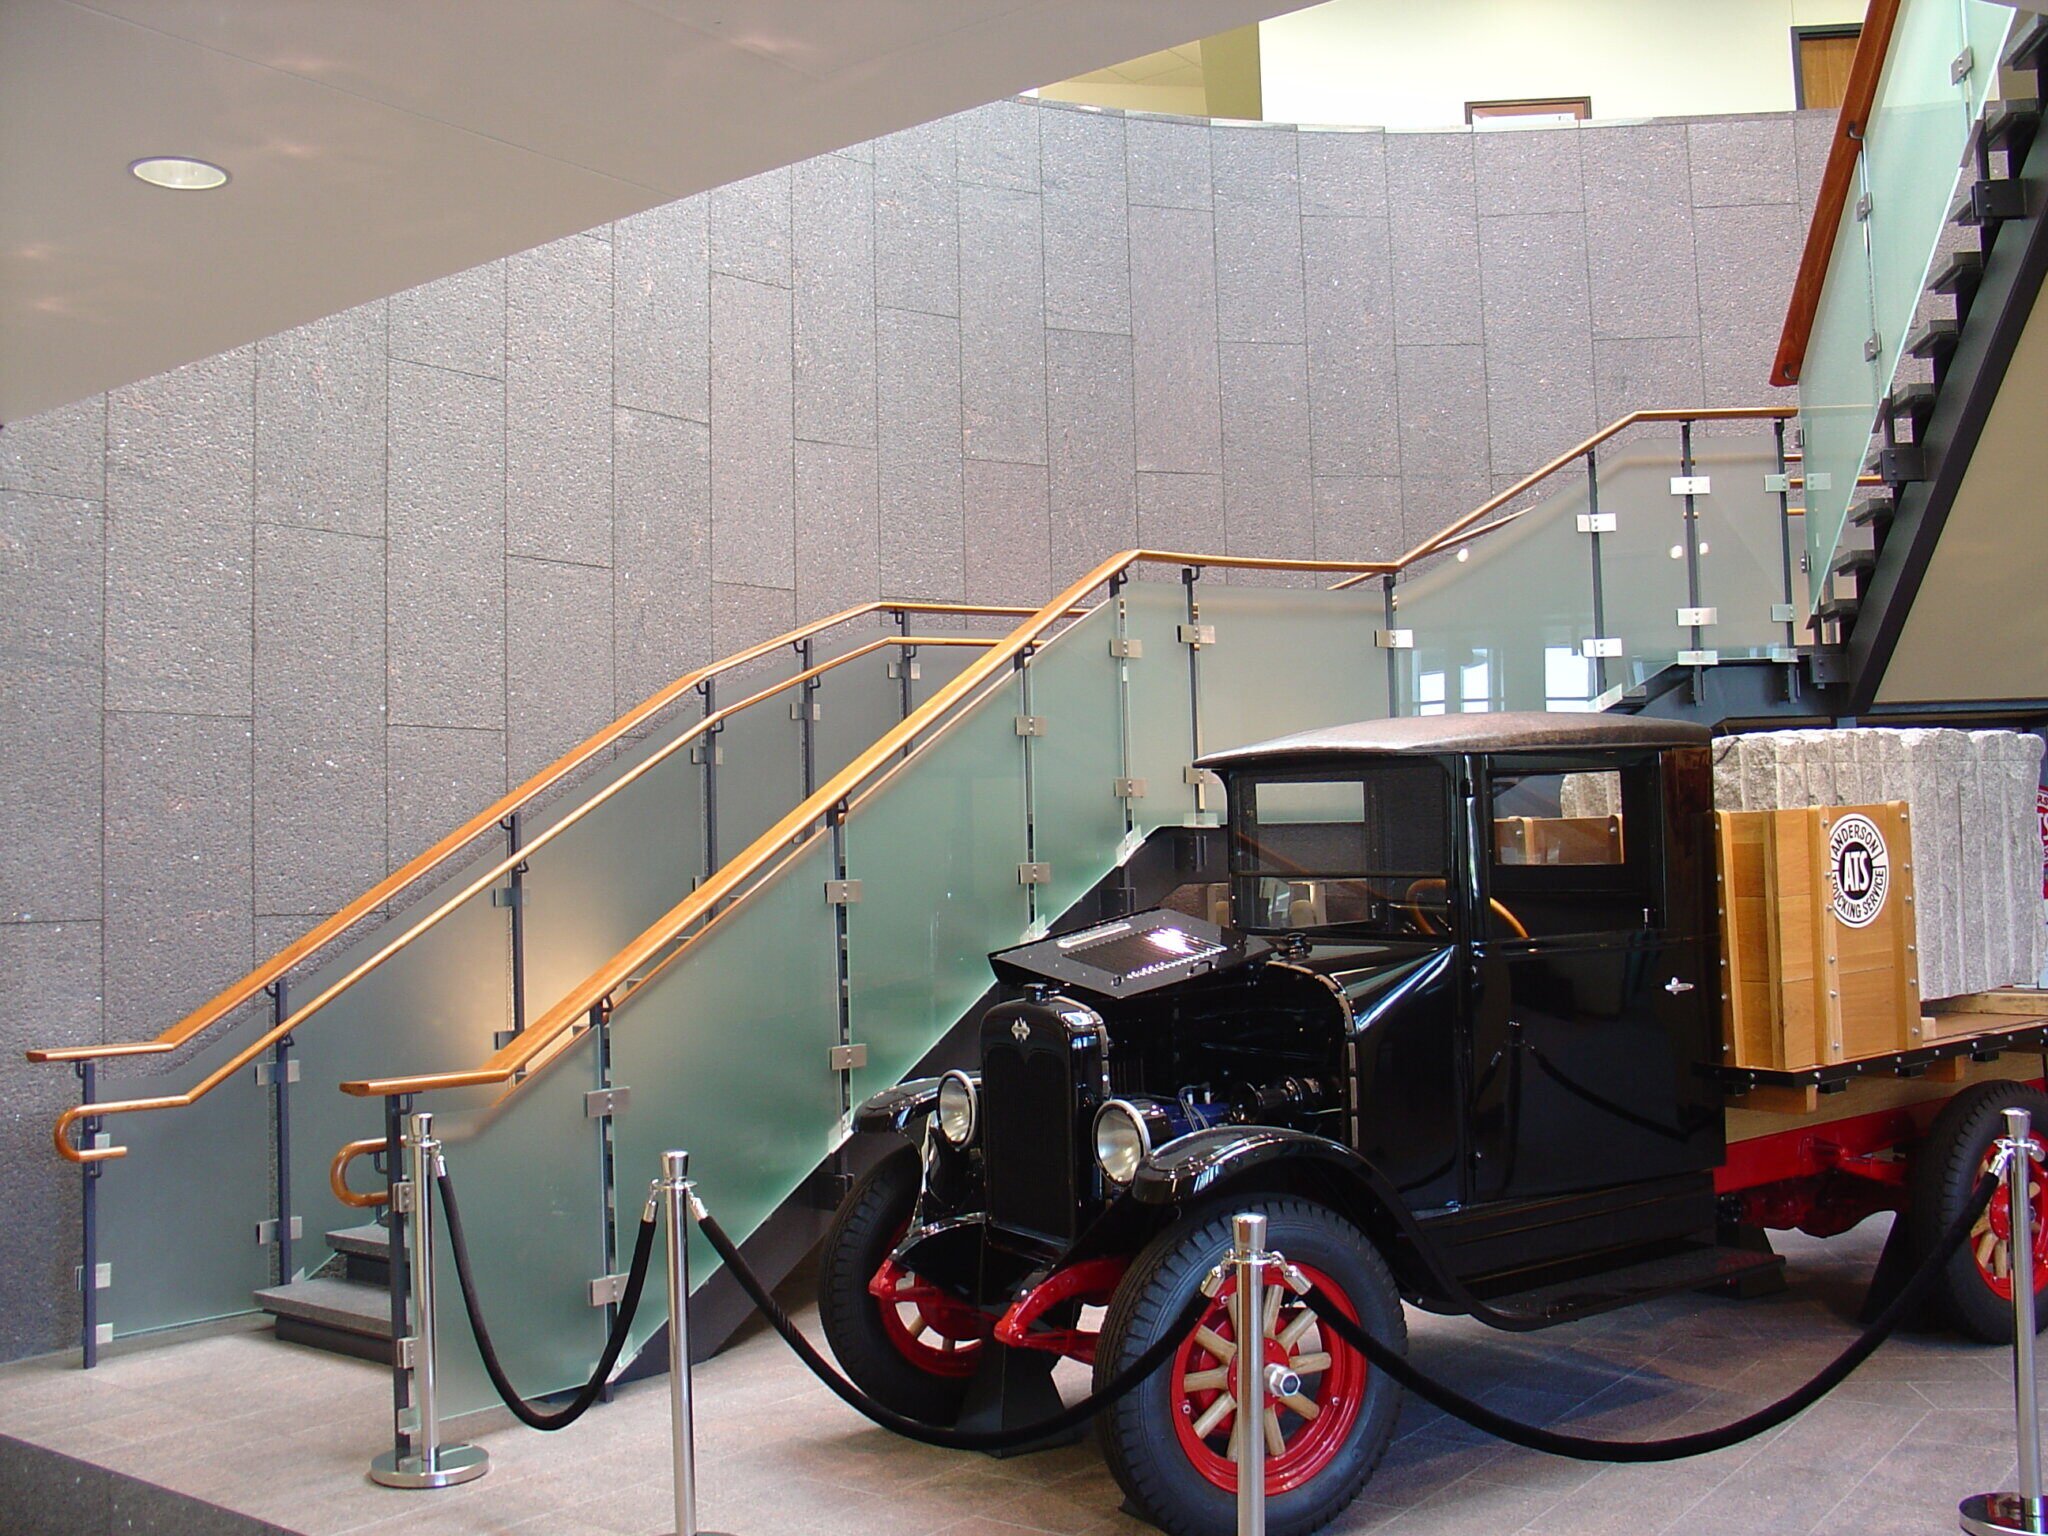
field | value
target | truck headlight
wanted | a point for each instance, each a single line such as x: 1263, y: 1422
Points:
x: 958, y: 1105
x: 1121, y: 1140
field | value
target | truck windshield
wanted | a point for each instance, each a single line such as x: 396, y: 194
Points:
x: 1366, y: 850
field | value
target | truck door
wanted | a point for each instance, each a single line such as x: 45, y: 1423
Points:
x: 1590, y: 980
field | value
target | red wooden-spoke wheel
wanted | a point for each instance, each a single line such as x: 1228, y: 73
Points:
x: 933, y: 1331
x: 1991, y: 1237
x: 1302, y: 1433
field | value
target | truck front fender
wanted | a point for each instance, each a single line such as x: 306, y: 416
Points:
x: 897, y: 1109
x: 1191, y: 1166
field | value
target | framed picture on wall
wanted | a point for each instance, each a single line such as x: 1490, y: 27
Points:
x: 1533, y: 109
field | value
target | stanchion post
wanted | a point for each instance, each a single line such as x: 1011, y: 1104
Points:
x: 1248, y: 1258
x: 678, y: 1196
x: 2020, y: 1513
x: 428, y: 1464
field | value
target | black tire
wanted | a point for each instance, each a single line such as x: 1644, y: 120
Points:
x: 1139, y: 1436
x: 1946, y: 1167
x: 867, y: 1226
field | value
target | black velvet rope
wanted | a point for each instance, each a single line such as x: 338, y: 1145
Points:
x: 524, y: 1411
x: 1584, y: 1448
x: 933, y: 1434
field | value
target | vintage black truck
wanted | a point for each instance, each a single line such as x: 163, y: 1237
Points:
x: 1453, y: 1039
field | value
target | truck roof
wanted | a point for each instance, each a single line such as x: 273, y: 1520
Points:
x: 1424, y: 735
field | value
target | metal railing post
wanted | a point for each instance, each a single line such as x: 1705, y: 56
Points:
x: 89, y: 1229
x: 678, y: 1197
x: 281, y: 1117
x: 1248, y: 1260
x: 2021, y: 1513
x: 428, y: 1463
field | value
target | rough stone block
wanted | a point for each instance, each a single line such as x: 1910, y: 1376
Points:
x: 1268, y: 500
x: 320, y: 423
x: 1173, y: 340
x: 661, y: 583
x: 997, y: 145
x: 661, y: 310
x: 1737, y: 160
x: 1648, y: 374
x: 1183, y: 512
x: 453, y: 322
x: 1258, y: 237
x: 1358, y: 517
x: 917, y: 360
x: 558, y: 402
x: 1343, y: 173
x: 1350, y: 310
x: 917, y: 237
x: 439, y: 778
x: 1008, y: 534
x: 1002, y: 325
x: 58, y: 453
x: 838, y: 529
x: 558, y: 660
x: 1091, y: 449
x: 1087, y: 254
x: 749, y: 228
x: 833, y: 241
x: 752, y: 478
x: 1534, y: 170
x: 1443, y: 423
x: 1167, y: 163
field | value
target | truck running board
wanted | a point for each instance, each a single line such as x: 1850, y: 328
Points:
x: 1690, y: 1269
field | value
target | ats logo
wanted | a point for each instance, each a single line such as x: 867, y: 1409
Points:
x: 1860, y: 870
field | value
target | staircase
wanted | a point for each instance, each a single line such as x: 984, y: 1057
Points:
x: 348, y: 1312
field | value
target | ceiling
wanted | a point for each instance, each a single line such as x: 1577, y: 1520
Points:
x: 379, y: 144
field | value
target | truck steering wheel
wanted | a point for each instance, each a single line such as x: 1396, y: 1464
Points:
x: 1416, y: 915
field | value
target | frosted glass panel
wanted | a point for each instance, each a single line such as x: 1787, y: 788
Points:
x: 1075, y: 765
x: 726, y: 1054
x: 856, y: 703
x: 1642, y: 562
x: 1161, y: 719
x: 1287, y: 659
x: 760, y: 770
x: 527, y: 1169
x: 1742, y: 558
x: 178, y: 1213
x: 936, y: 852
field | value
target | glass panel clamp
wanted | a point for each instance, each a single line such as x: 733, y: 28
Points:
x: 600, y: 1102
x: 266, y: 1072
x: 1128, y: 789
x: 1128, y: 650
x: 1197, y: 635
x: 1699, y: 658
x: 841, y: 893
x: 1030, y: 725
x: 1596, y: 522
x: 1596, y: 646
x: 1692, y: 485
x: 1034, y: 874
x: 1698, y: 618
x: 1778, y: 484
x: 1394, y: 639
x: 847, y: 1058
x: 266, y: 1231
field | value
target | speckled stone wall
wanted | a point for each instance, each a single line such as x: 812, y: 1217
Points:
x: 275, y: 621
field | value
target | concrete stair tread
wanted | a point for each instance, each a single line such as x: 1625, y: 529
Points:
x: 369, y: 1241
x: 345, y: 1305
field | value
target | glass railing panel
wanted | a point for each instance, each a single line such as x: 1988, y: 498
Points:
x: 178, y: 1214
x: 610, y: 875
x: 1642, y: 561
x: 1162, y: 727
x: 527, y: 1166
x: 1742, y: 553
x: 1078, y: 819
x: 1502, y: 628
x: 726, y: 1054
x: 1288, y: 659
x: 936, y: 848
x: 760, y: 757
x: 1987, y: 29
x: 1838, y: 395
x: 857, y: 701
x: 437, y: 1003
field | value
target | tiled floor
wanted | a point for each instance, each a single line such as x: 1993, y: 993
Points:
x: 284, y: 1434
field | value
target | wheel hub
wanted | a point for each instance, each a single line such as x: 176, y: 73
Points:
x: 1991, y: 1236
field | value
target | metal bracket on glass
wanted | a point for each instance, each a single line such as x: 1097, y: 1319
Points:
x: 102, y: 1276
x: 266, y: 1072
x: 1871, y: 347
x: 402, y: 1353
x: 698, y: 752
x: 1127, y: 649
x: 916, y: 669
x: 266, y: 1231
x: 1960, y: 67
x: 1030, y: 725
x: 841, y: 893
x: 1692, y: 485
x: 1201, y: 778
x: 1595, y: 647
x: 607, y: 1290
x: 1034, y: 874
x: 1699, y: 658
x: 1596, y: 522
x: 1783, y: 653
x: 600, y: 1102
x: 1129, y: 789
x: 1778, y: 484
x: 1863, y: 209
x: 1784, y: 613
x: 1197, y: 635
x: 847, y: 1058
x: 1698, y: 618
x: 401, y: 1196
x: 507, y: 896
x: 1394, y: 639
x: 796, y: 710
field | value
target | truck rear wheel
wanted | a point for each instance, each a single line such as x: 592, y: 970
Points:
x: 1171, y: 1442
x: 1974, y: 1293
x: 915, y: 1350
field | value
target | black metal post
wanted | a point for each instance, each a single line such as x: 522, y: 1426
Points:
x: 281, y: 1111
x: 708, y: 750
x: 398, y: 1267
x: 1785, y: 559
x: 1021, y: 664
x: 1189, y: 575
x: 841, y: 961
x: 1692, y: 553
x: 1393, y: 656
x: 89, y: 1233
x: 1599, y: 582
x: 807, y: 702
x: 607, y: 1164
x: 1121, y: 612
x: 514, y: 841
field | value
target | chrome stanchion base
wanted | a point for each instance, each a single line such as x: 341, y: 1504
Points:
x: 452, y: 1464
x: 2000, y: 1514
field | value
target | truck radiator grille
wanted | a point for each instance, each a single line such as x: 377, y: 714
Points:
x: 1029, y: 1140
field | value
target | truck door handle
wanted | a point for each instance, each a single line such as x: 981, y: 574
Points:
x: 1674, y: 986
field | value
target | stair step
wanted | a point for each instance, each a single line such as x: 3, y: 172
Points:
x: 1839, y: 606
x: 368, y: 1241
x: 1914, y: 403
x: 1959, y: 278
x: 2011, y: 125
x: 2028, y: 48
x: 1873, y: 512
x: 1688, y: 1270
x: 345, y: 1306
x: 1935, y: 340
x: 1854, y: 562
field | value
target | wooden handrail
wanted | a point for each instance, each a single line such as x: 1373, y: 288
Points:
x: 337, y: 1175
x: 300, y: 1016
x: 1858, y: 96
x: 217, y: 1007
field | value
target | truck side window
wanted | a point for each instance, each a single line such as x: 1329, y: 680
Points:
x: 1563, y: 860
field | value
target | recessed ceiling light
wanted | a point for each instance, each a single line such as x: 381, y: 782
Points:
x: 179, y: 173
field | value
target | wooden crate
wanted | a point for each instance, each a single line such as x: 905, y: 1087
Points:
x: 1818, y: 952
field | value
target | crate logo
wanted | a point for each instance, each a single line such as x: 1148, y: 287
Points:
x: 1860, y: 870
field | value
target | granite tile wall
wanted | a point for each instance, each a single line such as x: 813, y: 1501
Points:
x: 277, y: 620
